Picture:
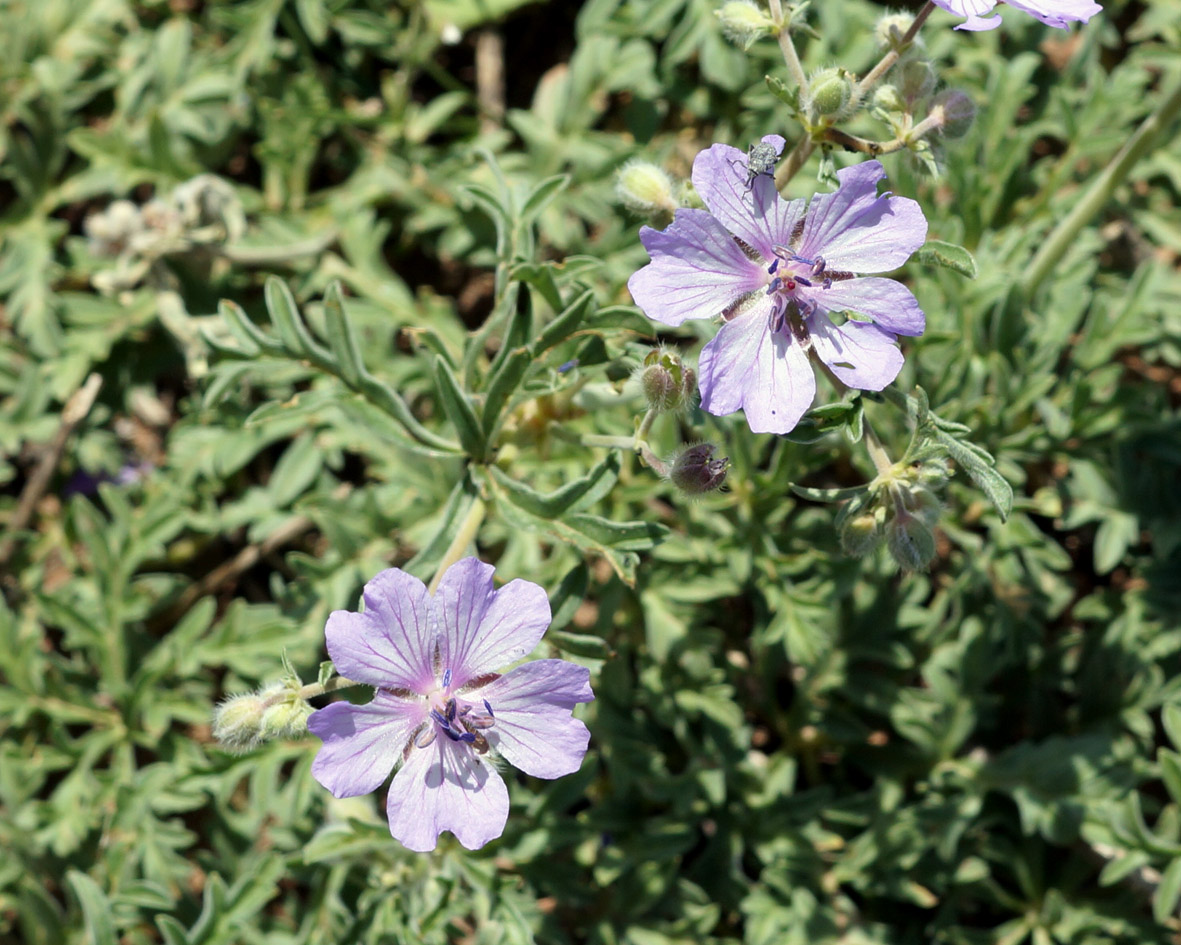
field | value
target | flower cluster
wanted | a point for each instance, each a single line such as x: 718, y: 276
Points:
x: 783, y: 278
x: 441, y: 711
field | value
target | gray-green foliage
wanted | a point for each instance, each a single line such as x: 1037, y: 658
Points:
x: 789, y: 746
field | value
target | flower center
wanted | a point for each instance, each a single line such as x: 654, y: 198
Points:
x: 456, y: 718
x: 790, y: 271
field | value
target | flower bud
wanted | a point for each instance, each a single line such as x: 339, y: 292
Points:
x: 696, y: 470
x: 645, y: 188
x: 665, y: 380
x: 916, y: 79
x: 743, y: 22
x: 888, y: 98
x: 934, y: 473
x: 861, y: 535
x: 955, y: 111
x: 829, y: 93
x: 237, y: 722
x: 890, y: 29
x: 285, y: 718
x: 911, y: 541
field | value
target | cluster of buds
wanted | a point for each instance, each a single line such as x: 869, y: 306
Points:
x: 667, y: 382
x: 909, y: 103
x: 243, y: 722
x: 200, y: 212
x: 900, y: 509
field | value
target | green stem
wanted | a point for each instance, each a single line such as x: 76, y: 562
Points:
x: 876, y: 449
x: 610, y: 442
x: 783, y: 35
x: 468, y: 529
x: 645, y: 426
x: 1065, y: 233
x: 311, y: 690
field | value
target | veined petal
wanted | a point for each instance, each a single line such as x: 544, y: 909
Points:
x: 534, y: 729
x: 362, y: 743
x: 855, y: 230
x: 391, y: 644
x: 1059, y: 13
x: 697, y: 270
x: 862, y: 356
x: 890, y: 304
x: 749, y: 366
x: 446, y: 786
x: 481, y: 629
x: 757, y: 215
x: 967, y: 8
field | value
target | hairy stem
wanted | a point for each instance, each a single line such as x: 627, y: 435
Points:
x: 1065, y: 233
x: 794, y: 67
x: 468, y: 529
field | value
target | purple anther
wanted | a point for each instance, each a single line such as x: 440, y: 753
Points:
x: 451, y: 710
x: 438, y: 717
x: 818, y: 266
x: 827, y: 283
x: 774, y: 286
x: 802, y: 281
x: 468, y: 737
x: 491, y: 714
x: 454, y: 736
x: 446, y: 678
x: 774, y: 265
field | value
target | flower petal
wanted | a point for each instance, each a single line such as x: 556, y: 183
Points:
x: 1059, y: 13
x: 890, y: 304
x: 480, y: 629
x: 391, y: 643
x: 697, y: 270
x: 765, y: 373
x: 855, y: 230
x: 446, y: 786
x: 756, y: 214
x: 862, y: 356
x: 534, y: 729
x: 362, y: 743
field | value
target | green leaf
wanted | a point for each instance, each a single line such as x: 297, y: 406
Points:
x: 949, y: 256
x: 501, y: 387
x: 459, y: 410
x: 579, y: 644
x: 981, y: 471
x: 541, y: 195
x: 566, y: 323
x: 96, y: 910
x: 828, y: 495
x: 288, y: 322
x: 342, y: 337
x: 556, y: 503
x: 1164, y: 903
x: 569, y: 595
x: 458, y: 503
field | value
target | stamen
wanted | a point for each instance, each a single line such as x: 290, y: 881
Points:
x: 438, y: 717
x: 426, y: 737
x: 818, y: 266
x: 491, y: 714
x: 447, y: 678
x: 451, y: 708
x: 802, y: 281
x: 774, y: 286
x: 774, y: 265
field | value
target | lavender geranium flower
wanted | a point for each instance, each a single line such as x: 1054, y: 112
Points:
x: 777, y: 273
x: 1059, y: 13
x: 441, y: 712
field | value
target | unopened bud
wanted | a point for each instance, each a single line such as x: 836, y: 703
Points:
x: 286, y: 718
x: 934, y: 472
x: 665, y: 380
x: 916, y: 79
x: 829, y: 93
x: 911, y: 541
x: 888, y: 98
x: 645, y: 188
x: 743, y: 22
x: 891, y: 28
x: 955, y: 112
x: 861, y: 535
x: 237, y: 722
x: 696, y: 469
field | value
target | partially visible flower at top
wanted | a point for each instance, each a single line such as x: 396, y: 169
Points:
x: 775, y: 272
x: 1059, y: 13
x: 440, y: 710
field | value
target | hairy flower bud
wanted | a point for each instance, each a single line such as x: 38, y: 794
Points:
x: 916, y: 79
x: 890, y: 29
x: 696, y: 469
x: 861, y: 535
x: 645, y: 188
x: 888, y: 98
x: 285, y: 718
x: 829, y: 93
x: 743, y: 22
x: 955, y: 112
x: 911, y: 541
x: 665, y: 380
x: 237, y: 722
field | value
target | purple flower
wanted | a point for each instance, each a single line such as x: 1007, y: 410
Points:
x: 1059, y: 13
x: 440, y: 710
x: 775, y: 272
